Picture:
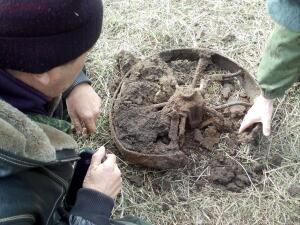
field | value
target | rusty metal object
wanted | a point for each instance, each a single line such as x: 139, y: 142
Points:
x: 185, y: 106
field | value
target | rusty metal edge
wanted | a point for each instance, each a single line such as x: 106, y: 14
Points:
x: 178, y: 159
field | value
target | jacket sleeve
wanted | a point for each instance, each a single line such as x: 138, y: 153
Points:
x: 279, y: 67
x: 91, y: 208
x: 80, y: 79
x: 285, y: 12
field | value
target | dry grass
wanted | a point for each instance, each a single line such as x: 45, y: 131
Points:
x: 237, y: 29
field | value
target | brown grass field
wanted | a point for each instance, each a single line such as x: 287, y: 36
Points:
x: 238, y: 29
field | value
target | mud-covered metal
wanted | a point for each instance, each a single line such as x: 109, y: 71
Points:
x: 176, y: 159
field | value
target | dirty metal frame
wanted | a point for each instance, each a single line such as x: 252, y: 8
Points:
x: 204, y: 58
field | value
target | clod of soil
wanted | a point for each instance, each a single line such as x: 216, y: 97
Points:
x: 207, y: 139
x: 165, y: 207
x: 228, y: 173
x: 136, y: 180
x: 259, y: 168
x: 181, y: 102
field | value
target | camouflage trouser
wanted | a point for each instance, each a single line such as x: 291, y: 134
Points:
x: 61, y: 125
x: 60, y: 119
x: 130, y: 220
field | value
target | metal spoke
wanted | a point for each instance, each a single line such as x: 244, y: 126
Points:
x: 231, y: 104
x: 201, y: 66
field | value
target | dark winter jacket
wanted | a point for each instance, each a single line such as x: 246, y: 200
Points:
x: 37, y: 181
x: 36, y: 168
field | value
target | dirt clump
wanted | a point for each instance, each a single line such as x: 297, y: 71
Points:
x: 207, y: 139
x: 136, y: 180
x: 229, y: 174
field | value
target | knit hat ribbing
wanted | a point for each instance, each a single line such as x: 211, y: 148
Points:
x: 36, y: 36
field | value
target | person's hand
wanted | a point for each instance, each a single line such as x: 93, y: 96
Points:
x: 83, y: 106
x: 104, y: 177
x: 260, y: 112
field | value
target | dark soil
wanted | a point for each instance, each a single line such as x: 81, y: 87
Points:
x: 158, y: 112
x: 136, y: 180
x: 229, y: 174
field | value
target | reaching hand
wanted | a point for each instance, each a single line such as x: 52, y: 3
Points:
x: 83, y: 105
x: 104, y: 177
x: 260, y: 112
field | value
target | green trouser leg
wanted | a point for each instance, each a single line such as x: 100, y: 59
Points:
x: 280, y: 64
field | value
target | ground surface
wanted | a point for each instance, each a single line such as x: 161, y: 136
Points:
x: 239, y: 30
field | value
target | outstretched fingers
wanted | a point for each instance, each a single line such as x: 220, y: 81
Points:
x: 266, y: 126
x: 247, y: 122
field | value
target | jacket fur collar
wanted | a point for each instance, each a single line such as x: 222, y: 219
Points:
x: 25, y: 138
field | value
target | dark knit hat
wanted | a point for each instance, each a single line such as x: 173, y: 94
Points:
x: 36, y: 36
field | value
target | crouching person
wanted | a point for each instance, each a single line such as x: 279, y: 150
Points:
x: 43, y: 47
